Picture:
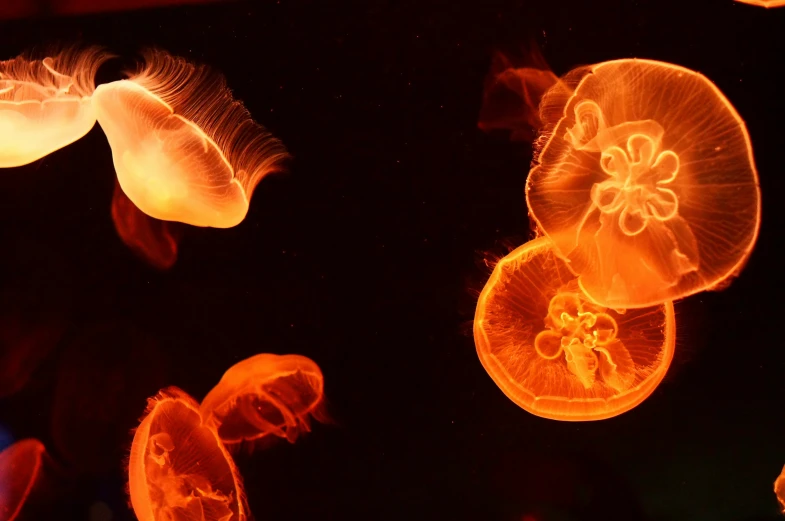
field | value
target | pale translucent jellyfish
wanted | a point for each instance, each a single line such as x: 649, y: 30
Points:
x: 183, y: 148
x: 779, y: 490
x: 45, y: 103
x: 558, y: 355
x: 645, y: 182
x: 265, y: 395
x: 150, y: 239
x: 764, y: 3
x: 20, y: 469
x: 179, y: 470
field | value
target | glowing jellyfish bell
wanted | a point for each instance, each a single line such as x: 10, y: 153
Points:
x: 779, y: 490
x: 265, y: 395
x: 45, y: 103
x: 645, y: 182
x: 557, y: 354
x: 183, y: 148
x: 20, y: 469
x: 179, y: 470
x: 764, y: 3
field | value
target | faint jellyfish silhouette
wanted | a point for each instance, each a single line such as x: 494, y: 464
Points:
x: 265, y: 395
x: 183, y: 148
x: 24, y: 343
x: 645, y: 183
x: 764, y: 3
x: 179, y: 470
x: 45, y: 104
x: 99, y: 389
x: 152, y: 240
x: 511, y: 97
x: 779, y: 490
x: 558, y: 355
x: 20, y: 469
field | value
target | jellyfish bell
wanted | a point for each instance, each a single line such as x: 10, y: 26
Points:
x: 31, y: 482
x: 265, y: 395
x: 183, y: 148
x: 779, y: 490
x: 152, y: 240
x: 178, y: 469
x: 45, y: 104
x: 764, y: 3
x: 557, y: 354
x: 645, y: 182
x: 511, y: 96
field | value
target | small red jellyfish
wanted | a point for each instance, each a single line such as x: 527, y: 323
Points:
x: 45, y: 104
x: 557, y: 354
x: 764, y: 3
x: 512, y: 95
x: 183, y: 148
x: 779, y: 490
x: 265, y: 394
x: 20, y: 468
x: 151, y: 240
x: 179, y: 470
x: 24, y: 343
x: 646, y: 182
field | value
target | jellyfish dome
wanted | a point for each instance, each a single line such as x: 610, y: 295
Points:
x: 779, y: 490
x: 764, y: 3
x: 20, y: 467
x: 265, y: 395
x: 179, y: 470
x: 183, y: 148
x: 557, y: 354
x: 45, y: 103
x: 644, y: 180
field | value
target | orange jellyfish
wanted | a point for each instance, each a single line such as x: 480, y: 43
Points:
x: 179, y: 470
x: 557, y: 354
x: 151, y: 240
x: 20, y: 468
x: 183, y: 148
x: 779, y: 489
x: 45, y: 104
x: 265, y: 394
x: 764, y: 3
x: 646, y: 182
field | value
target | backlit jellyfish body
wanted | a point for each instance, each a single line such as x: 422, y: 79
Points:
x: 183, y: 148
x: 764, y: 3
x: 265, y: 395
x: 557, y: 354
x: 779, y: 490
x: 150, y: 239
x: 645, y: 182
x: 20, y: 468
x: 179, y: 470
x: 45, y: 104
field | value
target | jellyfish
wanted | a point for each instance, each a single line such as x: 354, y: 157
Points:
x: 512, y: 95
x: 764, y: 3
x: 20, y: 469
x: 779, y: 490
x: 265, y: 395
x: 45, y: 103
x: 24, y: 344
x: 179, y: 470
x: 151, y: 240
x: 556, y: 353
x: 183, y: 148
x: 646, y: 183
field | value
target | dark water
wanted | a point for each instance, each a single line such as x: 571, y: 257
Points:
x: 366, y: 257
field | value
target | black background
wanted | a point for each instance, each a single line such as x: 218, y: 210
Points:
x: 367, y: 256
